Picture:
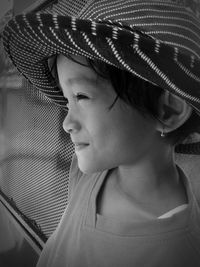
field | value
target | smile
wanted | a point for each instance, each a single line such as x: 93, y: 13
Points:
x: 80, y: 146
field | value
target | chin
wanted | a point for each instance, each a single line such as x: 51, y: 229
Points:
x: 91, y: 167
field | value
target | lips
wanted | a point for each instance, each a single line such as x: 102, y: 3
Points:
x: 79, y: 146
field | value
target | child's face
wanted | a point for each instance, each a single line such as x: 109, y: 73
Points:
x: 104, y: 138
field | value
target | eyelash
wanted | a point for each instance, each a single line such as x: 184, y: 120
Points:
x: 80, y: 96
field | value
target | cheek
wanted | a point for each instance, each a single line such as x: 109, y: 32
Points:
x: 125, y: 134
x: 114, y: 141
x: 109, y: 132
x: 119, y: 128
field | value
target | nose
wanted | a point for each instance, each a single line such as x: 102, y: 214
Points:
x: 71, y: 124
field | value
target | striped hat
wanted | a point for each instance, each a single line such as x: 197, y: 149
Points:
x: 156, y: 40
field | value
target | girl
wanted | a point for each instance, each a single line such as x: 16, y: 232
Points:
x: 128, y: 108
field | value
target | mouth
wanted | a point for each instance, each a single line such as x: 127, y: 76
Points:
x: 80, y: 146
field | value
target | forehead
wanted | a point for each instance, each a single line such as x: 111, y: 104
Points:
x: 72, y: 58
x: 74, y: 69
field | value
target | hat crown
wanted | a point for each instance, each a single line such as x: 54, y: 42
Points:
x: 68, y: 8
x: 77, y: 7
x: 175, y: 22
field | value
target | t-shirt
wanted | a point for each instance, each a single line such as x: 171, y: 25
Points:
x: 173, y: 211
x: 85, y: 239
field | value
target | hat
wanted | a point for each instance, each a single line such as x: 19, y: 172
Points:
x: 156, y: 40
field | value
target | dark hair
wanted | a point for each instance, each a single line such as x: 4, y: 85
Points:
x: 144, y: 97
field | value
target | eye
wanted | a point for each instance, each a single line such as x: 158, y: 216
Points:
x: 81, y: 96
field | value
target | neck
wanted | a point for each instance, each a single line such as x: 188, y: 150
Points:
x: 153, y: 179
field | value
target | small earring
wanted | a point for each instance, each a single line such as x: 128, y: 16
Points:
x: 162, y: 133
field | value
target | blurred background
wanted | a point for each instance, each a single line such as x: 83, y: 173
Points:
x: 35, y: 156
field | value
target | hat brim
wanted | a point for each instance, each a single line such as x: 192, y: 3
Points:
x: 30, y: 39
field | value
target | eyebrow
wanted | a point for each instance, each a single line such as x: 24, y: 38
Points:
x: 80, y: 80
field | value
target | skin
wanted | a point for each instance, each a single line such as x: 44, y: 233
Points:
x: 144, y: 181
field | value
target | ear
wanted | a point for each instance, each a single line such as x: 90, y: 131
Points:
x: 173, y: 112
